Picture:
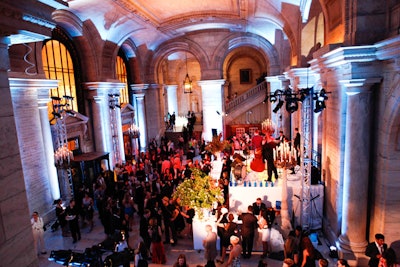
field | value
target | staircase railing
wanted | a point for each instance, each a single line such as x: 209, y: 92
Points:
x: 240, y: 99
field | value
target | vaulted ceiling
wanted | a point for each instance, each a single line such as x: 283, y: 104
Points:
x: 151, y: 22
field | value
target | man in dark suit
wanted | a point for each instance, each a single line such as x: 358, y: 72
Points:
x: 249, y: 225
x: 268, y: 155
x: 144, y: 228
x: 375, y: 250
x: 280, y: 138
x: 258, y: 206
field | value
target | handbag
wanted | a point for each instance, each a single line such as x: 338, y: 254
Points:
x: 44, y: 228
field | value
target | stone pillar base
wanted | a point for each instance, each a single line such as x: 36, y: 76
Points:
x: 353, y: 252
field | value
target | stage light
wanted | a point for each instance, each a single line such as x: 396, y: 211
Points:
x: 319, y: 106
x: 288, y: 92
x: 274, y: 97
x: 278, y: 106
x: 304, y: 93
x: 322, y: 95
x: 56, y: 98
x: 291, y: 105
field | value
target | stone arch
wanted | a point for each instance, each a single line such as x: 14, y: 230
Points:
x: 130, y: 50
x: 69, y: 22
x: 265, y: 49
x: 90, y: 45
x: 241, y: 51
x: 177, y: 46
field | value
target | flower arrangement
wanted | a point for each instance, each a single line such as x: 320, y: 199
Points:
x: 200, y: 192
x: 216, y: 145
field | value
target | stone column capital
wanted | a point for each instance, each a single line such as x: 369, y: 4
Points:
x: 171, y: 86
x: 278, y: 78
x: 302, y: 78
x: 42, y: 87
x: 139, y: 96
x: 347, y: 55
x: 104, y: 86
x: 100, y: 90
x: 139, y: 87
x: 357, y: 86
x: 206, y: 83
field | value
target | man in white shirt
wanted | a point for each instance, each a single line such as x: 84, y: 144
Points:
x: 38, y: 232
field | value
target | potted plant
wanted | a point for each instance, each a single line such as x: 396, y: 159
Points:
x: 199, y: 192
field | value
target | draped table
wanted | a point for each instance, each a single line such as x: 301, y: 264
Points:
x: 240, y: 197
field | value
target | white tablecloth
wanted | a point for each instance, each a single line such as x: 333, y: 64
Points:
x: 199, y: 231
x: 240, y: 197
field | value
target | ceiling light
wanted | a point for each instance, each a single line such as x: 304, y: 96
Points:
x: 187, y: 83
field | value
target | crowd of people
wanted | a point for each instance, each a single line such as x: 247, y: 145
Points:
x: 145, y: 187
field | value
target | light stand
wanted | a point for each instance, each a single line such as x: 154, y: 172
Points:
x: 113, y: 100
x: 306, y: 96
x: 62, y: 154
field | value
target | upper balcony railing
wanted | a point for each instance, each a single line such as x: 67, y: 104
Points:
x: 249, y: 94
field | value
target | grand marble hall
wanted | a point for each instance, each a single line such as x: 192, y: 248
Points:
x: 98, y: 79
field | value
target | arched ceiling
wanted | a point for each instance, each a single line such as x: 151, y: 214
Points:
x: 151, y: 22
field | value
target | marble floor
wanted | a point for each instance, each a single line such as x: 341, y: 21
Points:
x: 55, y: 241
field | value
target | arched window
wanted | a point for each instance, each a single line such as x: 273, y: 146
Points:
x: 57, y: 65
x: 122, y: 76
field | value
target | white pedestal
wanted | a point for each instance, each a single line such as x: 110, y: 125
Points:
x: 199, y: 231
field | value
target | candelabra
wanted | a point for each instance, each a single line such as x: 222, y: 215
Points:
x: 134, y: 131
x: 284, y: 156
x: 267, y: 127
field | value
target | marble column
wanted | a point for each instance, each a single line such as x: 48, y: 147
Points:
x: 356, y: 165
x: 172, y: 98
x: 103, y: 140
x: 211, y: 91
x: 42, y: 87
x: 139, y: 93
x: 33, y: 151
x: 141, y: 121
x: 43, y: 100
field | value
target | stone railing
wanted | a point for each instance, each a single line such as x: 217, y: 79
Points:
x: 250, y: 94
